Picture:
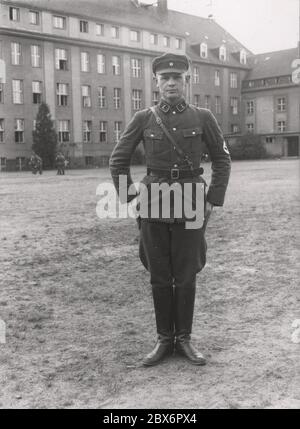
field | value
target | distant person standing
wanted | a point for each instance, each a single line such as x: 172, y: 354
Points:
x: 36, y: 163
x: 60, y: 163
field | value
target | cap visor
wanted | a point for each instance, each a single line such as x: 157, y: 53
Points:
x: 170, y: 70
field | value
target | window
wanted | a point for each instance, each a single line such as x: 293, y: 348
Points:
x: 2, y: 163
x: 115, y: 32
x: 281, y: 104
x: 102, y: 97
x: 135, y: 36
x: 34, y: 125
x: 36, y: 92
x: 281, y: 126
x: 1, y: 93
x: 34, y: 17
x: 35, y: 55
x: 20, y: 162
x: 117, y: 131
x: 116, y: 65
x: 251, y: 83
x: 62, y: 94
x: 233, y: 80
x: 178, y: 43
x: 203, y: 50
x: 155, y: 97
x: 83, y: 26
x: 218, y: 105
x: 19, y: 130
x: 59, y: 22
x: 197, y: 100
x: 136, y: 67
x: 250, y: 128
x: 61, y: 59
x: 15, y: 53
x: 269, y: 140
x: 87, y: 131
x: 1, y: 130
x: 99, y: 29
x: 234, y: 128
x: 136, y: 99
x: 103, y: 132
x: 86, y: 96
x: 89, y: 161
x: 222, y: 53
x: 117, y: 98
x: 14, y: 14
x: 217, y: 78
x: 207, y: 102
x: 17, y: 86
x: 85, y: 61
x: 250, y: 107
x: 166, y: 41
x: 234, y: 105
x: 243, y: 57
x: 63, y: 131
x: 196, y: 75
x: 153, y: 39
x: 101, y: 63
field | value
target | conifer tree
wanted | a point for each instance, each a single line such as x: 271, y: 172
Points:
x: 44, y: 136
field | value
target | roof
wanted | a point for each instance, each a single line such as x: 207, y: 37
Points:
x: 124, y: 12
x: 272, y: 64
x: 198, y: 30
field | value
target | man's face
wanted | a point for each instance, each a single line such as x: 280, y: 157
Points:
x: 171, y: 86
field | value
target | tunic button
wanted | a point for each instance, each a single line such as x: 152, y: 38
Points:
x: 174, y: 148
x: 193, y: 133
x: 174, y: 129
x: 152, y: 135
x: 174, y: 113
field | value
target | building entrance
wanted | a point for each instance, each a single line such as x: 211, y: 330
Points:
x: 293, y: 146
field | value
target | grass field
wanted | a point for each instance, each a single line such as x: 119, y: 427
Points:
x: 78, y: 308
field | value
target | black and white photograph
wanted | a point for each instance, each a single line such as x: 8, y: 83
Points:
x: 160, y: 273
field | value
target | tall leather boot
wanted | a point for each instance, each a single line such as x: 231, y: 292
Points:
x: 184, y: 300
x: 163, y: 306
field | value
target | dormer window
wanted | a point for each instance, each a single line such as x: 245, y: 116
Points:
x: 14, y: 14
x: 243, y: 57
x: 222, y: 53
x: 203, y: 50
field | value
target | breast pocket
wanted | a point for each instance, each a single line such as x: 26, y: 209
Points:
x: 192, y: 139
x: 153, y: 141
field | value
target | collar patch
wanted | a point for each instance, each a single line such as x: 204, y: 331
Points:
x: 165, y: 107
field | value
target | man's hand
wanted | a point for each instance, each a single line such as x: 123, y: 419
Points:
x: 208, y: 210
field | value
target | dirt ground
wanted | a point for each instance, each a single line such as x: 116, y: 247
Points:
x: 78, y: 308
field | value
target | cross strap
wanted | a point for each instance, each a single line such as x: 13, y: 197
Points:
x: 183, y: 156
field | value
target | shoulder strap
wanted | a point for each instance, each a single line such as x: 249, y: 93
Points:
x: 178, y: 149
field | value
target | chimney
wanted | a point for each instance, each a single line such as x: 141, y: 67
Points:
x: 162, y: 7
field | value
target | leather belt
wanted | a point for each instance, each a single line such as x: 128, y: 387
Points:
x: 176, y: 173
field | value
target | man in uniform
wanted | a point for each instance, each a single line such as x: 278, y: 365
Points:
x: 60, y: 163
x: 172, y: 253
x: 36, y: 163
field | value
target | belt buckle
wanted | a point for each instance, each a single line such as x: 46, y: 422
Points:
x: 174, y: 173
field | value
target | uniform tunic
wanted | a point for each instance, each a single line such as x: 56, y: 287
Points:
x: 196, y: 131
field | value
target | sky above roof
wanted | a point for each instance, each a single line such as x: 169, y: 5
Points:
x: 261, y: 25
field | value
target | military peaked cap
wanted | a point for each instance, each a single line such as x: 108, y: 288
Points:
x: 167, y: 63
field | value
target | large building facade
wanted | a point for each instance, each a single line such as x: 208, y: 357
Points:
x: 272, y: 102
x: 90, y: 61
